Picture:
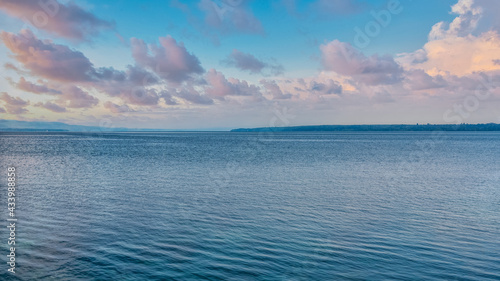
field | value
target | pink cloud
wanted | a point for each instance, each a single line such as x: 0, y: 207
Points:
x: 66, y: 20
x: 28, y: 86
x: 170, y: 60
x: 420, y: 80
x: 344, y: 59
x: 72, y: 69
x: 10, y: 66
x: 71, y: 74
x: 14, y: 105
x: 51, y: 106
x: 191, y: 95
x: 115, y: 108
x: 46, y: 59
x: 248, y: 62
x: 68, y: 95
x: 273, y: 89
x: 459, y: 48
x: 327, y: 88
x: 74, y: 97
x: 131, y: 85
x: 244, y: 61
x: 141, y: 96
x: 220, y: 87
x: 168, y: 98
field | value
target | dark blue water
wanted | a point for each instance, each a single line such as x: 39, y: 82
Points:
x: 250, y: 206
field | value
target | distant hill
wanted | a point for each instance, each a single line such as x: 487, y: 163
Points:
x: 361, y: 128
x: 14, y: 125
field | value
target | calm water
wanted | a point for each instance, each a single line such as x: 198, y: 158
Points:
x: 250, y: 206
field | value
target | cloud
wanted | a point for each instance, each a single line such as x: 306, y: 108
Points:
x: 74, y: 97
x: 419, y: 80
x: 68, y: 95
x: 419, y: 56
x: 51, y: 106
x: 10, y: 66
x: 463, y: 24
x: 457, y: 48
x: 113, y: 107
x: 14, y: 105
x: 328, y: 88
x: 462, y: 55
x: 65, y: 66
x: 170, y: 60
x: 134, y: 85
x: 476, y: 82
x: 273, y: 89
x: 135, y: 94
x: 141, y: 96
x: 189, y: 94
x: 30, y: 87
x: 248, y: 62
x: 344, y: 59
x: 489, y: 18
x: 46, y: 59
x: 219, y: 86
x: 230, y: 16
x: 71, y: 75
x: 168, y: 98
x: 2, y: 110
x: 66, y: 20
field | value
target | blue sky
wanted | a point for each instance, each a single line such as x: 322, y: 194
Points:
x: 236, y: 63
x: 282, y: 30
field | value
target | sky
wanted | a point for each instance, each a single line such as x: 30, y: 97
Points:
x: 221, y: 64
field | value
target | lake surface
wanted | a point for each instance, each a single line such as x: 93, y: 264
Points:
x: 254, y: 206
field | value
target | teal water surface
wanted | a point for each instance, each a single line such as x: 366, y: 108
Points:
x: 254, y: 206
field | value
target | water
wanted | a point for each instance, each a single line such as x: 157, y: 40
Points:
x: 250, y: 206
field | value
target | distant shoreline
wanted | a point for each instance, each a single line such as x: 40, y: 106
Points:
x: 34, y: 126
x: 378, y: 128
